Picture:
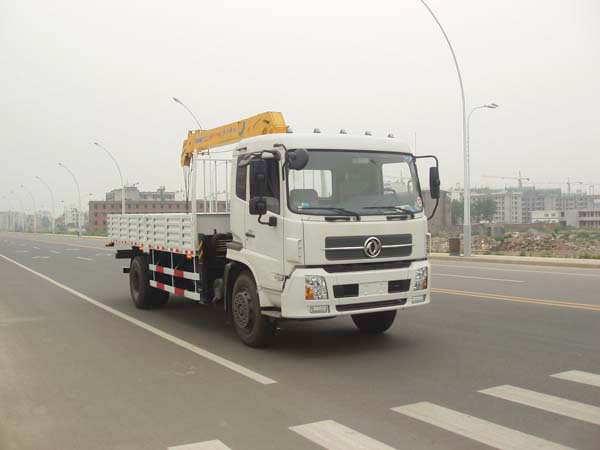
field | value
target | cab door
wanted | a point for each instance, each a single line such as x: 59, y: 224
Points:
x: 263, y: 243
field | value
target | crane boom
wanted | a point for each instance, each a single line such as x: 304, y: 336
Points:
x: 202, y: 140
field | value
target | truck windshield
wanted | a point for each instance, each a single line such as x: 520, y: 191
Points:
x: 348, y: 183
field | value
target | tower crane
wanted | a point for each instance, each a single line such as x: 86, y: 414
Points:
x: 520, y: 178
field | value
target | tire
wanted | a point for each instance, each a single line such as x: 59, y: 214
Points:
x: 374, y: 323
x: 143, y: 295
x: 250, y: 325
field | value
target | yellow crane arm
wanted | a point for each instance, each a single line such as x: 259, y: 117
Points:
x: 202, y: 140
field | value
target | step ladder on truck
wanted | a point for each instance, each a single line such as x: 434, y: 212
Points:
x: 291, y: 227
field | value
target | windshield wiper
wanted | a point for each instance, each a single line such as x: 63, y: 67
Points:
x: 395, y: 208
x: 332, y: 208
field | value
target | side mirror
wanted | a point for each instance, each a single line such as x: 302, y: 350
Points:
x: 258, y: 206
x: 258, y: 177
x: 297, y: 159
x: 434, y: 182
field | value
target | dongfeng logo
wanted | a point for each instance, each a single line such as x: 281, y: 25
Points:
x: 372, y: 247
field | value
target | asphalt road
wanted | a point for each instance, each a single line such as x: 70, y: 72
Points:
x: 81, y: 368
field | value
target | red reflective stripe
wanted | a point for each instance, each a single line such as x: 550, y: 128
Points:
x: 160, y: 269
x: 178, y: 273
x: 179, y: 291
x: 160, y: 286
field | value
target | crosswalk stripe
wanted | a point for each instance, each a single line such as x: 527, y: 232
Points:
x: 335, y: 436
x: 579, y: 376
x: 479, y: 430
x: 206, y: 445
x: 550, y: 403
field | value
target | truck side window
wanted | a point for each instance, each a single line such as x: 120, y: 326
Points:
x: 240, y: 182
x: 272, y: 191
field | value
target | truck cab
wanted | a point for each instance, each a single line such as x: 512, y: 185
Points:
x: 327, y: 226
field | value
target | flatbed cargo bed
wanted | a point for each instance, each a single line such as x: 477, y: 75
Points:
x: 171, y: 232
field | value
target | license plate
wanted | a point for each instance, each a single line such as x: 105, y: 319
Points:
x: 377, y: 288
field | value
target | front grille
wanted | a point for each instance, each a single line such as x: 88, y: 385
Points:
x: 370, y: 305
x: 351, y: 247
x: 361, y: 267
x: 345, y: 290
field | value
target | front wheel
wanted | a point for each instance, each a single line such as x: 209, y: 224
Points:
x: 374, y: 323
x: 250, y: 325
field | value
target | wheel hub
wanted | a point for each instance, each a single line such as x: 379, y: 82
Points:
x: 241, y: 308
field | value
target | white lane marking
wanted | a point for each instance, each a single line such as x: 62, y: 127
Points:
x: 103, y: 254
x: 545, y: 272
x: 22, y: 251
x: 479, y: 430
x: 579, y: 376
x: 71, y: 249
x: 55, y: 252
x: 40, y: 257
x: 434, y: 274
x: 335, y: 436
x: 206, y: 445
x: 175, y: 340
x: 84, y: 258
x: 545, y: 402
x: 37, y: 248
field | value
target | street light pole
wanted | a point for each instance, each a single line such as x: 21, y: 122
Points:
x: 78, y: 197
x: 120, y: 175
x: 24, y: 216
x: 467, y: 190
x: 53, y: 205
x: 34, y: 208
x: 487, y: 105
x: 176, y: 100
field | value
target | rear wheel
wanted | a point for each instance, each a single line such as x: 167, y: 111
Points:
x: 143, y: 295
x: 250, y: 325
x: 374, y: 323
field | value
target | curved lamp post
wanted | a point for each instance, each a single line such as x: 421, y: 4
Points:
x: 78, y: 197
x: 467, y: 194
x: 120, y: 175
x: 34, y: 208
x: 52, y: 199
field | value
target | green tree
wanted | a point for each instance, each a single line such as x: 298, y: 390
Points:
x: 483, y: 208
x: 457, y: 211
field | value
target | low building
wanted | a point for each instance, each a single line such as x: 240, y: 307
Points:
x: 547, y: 216
x: 584, y: 218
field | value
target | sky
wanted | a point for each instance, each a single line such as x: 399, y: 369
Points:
x: 75, y: 72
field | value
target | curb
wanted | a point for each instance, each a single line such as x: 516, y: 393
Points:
x: 523, y: 260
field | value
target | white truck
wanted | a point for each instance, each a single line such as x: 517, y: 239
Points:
x: 315, y: 226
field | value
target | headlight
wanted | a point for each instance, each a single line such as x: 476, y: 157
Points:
x: 315, y: 288
x: 421, y: 278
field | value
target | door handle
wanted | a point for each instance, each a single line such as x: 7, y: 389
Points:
x: 250, y: 234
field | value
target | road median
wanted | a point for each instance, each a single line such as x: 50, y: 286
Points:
x: 526, y: 260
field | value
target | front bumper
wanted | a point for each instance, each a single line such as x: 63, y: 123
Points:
x: 371, y: 297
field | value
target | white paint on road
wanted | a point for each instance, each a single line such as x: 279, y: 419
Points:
x: 55, y: 252
x: 545, y: 402
x: 578, y: 376
x: 22, y: 251
x: 37, y: 248
x: 84, y: 258
x: 479, y: 430
x: 499, y: 269
x: 335, y: 436
x: 434, y: 274
x: 173, y: 339
x: 71, y: 249
x: 206, y: 445
x: 40, y: 257
x: 103, y: 254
